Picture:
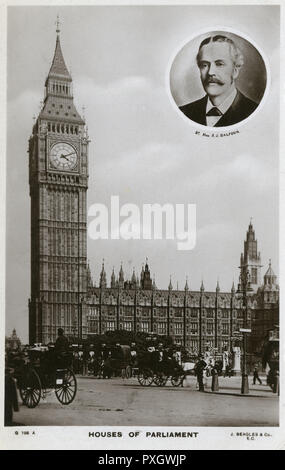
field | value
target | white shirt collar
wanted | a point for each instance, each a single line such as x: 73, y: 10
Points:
x: 225, y: 105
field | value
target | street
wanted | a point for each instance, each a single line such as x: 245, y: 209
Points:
x: 123, y: 402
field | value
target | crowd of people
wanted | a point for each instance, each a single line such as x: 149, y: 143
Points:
x: 108, y: 360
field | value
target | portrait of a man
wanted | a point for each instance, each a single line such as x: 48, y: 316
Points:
x: 219, y: 61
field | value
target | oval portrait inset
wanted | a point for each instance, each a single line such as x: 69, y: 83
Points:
x: 218, y: 79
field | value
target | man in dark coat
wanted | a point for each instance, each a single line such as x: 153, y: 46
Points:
x: 256, y: 376
x: 61, y: 344
x: 219, y: 61
x: 61, y: 349
x: 199, y: 369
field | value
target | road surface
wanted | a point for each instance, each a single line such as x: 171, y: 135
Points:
x: 123, y: 402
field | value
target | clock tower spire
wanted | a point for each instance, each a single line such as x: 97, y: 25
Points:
x: 58, y: 177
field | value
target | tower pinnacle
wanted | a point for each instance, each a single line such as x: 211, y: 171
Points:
x: 103, y: 281
x: 186, y: 288
x: 58, y: 102
x: 58, y: 68
x: 250, y: 258
x: 218, y: 286
x: 57, y: 25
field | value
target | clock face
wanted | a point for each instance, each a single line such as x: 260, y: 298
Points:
x: 63, y: 156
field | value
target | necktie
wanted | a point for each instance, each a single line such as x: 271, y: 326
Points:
x: 214, y: 112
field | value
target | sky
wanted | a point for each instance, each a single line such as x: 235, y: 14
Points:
x: 141, y: 148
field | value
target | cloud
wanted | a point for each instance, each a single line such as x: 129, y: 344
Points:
x: 87, y: 90
x: 130, y: 84
x: 243, y: 172
x: 25, y: 103
x: 159, y: 156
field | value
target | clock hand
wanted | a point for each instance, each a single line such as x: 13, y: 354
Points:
x: 64, y: 156
x: 71, y: 153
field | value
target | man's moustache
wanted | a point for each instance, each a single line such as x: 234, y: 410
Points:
x: 213, y: 80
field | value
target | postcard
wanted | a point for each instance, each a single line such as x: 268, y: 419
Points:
x: 142, y: 199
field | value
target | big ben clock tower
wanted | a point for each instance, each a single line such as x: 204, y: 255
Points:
x: 58, y: 177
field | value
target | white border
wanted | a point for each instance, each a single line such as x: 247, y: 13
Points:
x: 76, y: 437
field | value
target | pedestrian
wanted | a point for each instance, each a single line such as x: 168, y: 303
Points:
x: 85, y: 359
x: 134, y: 359
x: 61, y: 350
x: 199, y: 369
x: 256, y: 376
x: 228, y: 371
x: 61, y: 344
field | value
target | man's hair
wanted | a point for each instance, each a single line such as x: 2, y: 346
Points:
x: 60, y: 332
x: 235, y: 52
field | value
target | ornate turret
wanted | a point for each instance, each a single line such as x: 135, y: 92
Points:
x: 13, y: 342
x: 170, y: 285
x: 103, y: 281
x: 202, y: 288
x: 250, y: 259
x: 58, y: 101
x: 233, y: 289
x: 113, y: 280
x: 133, y: 280
x: 270, y: 278
x: 146, y: 279
x: 121, y: 277
x: 218, y: 287
x: 186, y: 288
x: 269, y: 291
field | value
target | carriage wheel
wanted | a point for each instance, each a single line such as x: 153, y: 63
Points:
x: 145, y: 377
x: 65, y: 387
x: 160, y: 379
x: 30, y: 388
x: 128, y: 372
x: 177, y: 380
x: 123, y: 374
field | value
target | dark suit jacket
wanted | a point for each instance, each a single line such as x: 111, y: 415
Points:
x: 241, y: 108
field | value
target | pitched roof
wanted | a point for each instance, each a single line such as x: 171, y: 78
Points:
x: 269, y: 271
x: 58, y: 67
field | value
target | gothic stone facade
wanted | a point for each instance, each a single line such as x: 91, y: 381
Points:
x: 195, y: 319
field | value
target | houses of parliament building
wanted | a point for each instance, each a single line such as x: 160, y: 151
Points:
x: 62, y: 291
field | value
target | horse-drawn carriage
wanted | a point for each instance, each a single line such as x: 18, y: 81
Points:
x: 43, y: 370
x: 156, y: 367
x: 114, y: 360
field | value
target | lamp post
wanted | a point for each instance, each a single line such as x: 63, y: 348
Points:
x: 243, y: 288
